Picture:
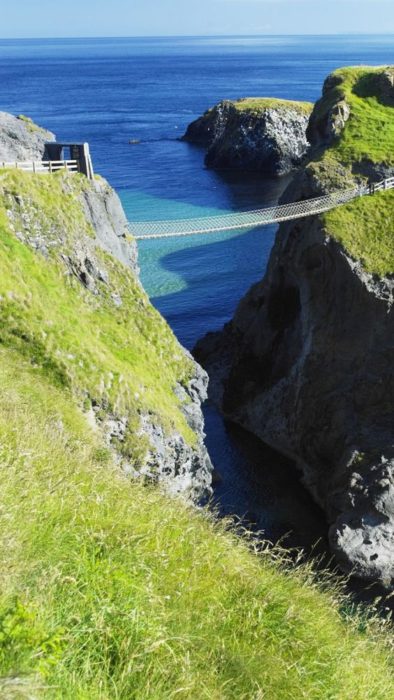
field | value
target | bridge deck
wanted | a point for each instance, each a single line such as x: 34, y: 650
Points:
x: 143, y: 230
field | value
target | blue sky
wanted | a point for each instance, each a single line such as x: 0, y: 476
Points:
x: 51, y: 18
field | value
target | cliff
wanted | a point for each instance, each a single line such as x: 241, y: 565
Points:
x: 265, y: 135
x: 71, y: 301
x: 309, y: 352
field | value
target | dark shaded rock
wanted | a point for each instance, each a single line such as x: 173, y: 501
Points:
x: 306, y: 364
x: 307, y: 368
x: 268, y: 136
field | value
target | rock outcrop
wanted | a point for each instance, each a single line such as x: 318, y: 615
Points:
x: 21, y: 139
x: 306, y: 364
x: 264, y: 135
x: 79, y: 228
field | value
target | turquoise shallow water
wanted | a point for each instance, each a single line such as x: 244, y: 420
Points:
x: 197, y: 281
x: 111, y: 91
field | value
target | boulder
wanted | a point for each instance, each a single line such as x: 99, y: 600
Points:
x: 21, y: 139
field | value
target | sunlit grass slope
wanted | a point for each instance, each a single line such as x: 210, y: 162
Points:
x: 366, y: 229
x: 369, y: 132
x: 113, y: 590
x: 126, y: 358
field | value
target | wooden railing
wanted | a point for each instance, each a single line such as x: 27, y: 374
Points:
x: 387, y: 184
x: 42, y: 166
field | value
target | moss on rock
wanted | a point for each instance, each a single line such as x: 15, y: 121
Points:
x: 352, y: 131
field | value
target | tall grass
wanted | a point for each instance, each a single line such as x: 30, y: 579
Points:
x: 112, y: 590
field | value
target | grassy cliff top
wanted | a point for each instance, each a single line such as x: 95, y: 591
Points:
x: 365, y: 228
x: 258, y: 104
x: 112, y: 590
x: 365, y: 145
x: 369, y: 132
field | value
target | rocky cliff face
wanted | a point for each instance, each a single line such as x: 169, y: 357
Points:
x: 264, y: 135
x: 80, y: 246
x: 21, y: 139
x: 307, y: 361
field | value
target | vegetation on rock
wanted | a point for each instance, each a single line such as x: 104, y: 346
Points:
x: 358, y: 143
x: 124, y: 357
x: 112, y: 590
x: 365, y: 229
x: 257, y: 104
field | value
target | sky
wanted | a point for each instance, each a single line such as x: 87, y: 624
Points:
x: 54, y: 18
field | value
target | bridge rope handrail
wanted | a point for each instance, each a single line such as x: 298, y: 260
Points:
x: 144, y: 230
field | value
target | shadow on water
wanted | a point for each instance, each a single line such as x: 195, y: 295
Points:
x: 214, y: 276
x: 261, y: 487
x: 214, y: 270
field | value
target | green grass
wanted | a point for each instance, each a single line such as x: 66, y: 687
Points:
x: 32, y: 127
x: 125, y: 360
x: 258, y: 104
x: 364, y: 227
x: 113, y: 590
x: 369, y: 132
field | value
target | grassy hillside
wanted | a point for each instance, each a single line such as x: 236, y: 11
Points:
x: 110, y: 589
x: 124, y: 359
x: 365, y: 145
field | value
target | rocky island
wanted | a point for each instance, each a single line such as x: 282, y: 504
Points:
x: 306, y: 364
x: 260, y: 134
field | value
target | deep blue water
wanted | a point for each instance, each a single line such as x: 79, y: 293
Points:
x: 108, y: 91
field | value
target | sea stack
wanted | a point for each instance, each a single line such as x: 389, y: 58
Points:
x: 263, y: 135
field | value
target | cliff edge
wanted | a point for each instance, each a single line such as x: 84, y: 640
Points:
x: 309, y: 354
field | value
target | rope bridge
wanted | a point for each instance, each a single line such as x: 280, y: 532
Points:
x: 143, y: 230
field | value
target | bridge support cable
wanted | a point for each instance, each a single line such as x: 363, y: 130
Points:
x: 143, y: 230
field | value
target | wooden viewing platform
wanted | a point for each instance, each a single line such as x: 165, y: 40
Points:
x: 79, y: 162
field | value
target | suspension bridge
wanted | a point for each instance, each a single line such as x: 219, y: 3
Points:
x: 144, y: 230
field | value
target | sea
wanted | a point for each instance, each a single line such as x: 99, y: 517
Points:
x: 112, y: 92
